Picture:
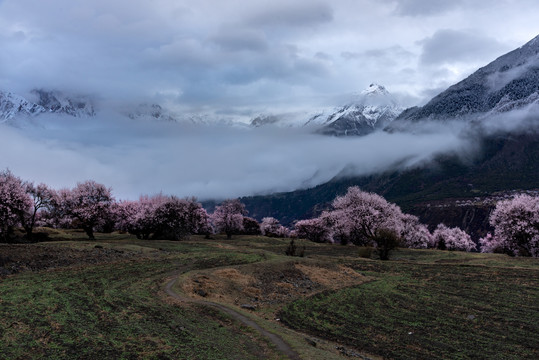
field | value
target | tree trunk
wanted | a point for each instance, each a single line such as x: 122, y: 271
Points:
x: 90, y: 232
x: 29, y: 233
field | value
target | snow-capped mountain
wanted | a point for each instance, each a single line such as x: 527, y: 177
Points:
x: 56, y: 102
x: 12, y: 105
x: 508, y: 83
x: 372, y: 109
x: 16, y: 109
x: 151, y: 111
x: 42, y: 102
x: 161, y: 113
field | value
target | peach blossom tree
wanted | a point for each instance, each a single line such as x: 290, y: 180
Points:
x: 516, y: 227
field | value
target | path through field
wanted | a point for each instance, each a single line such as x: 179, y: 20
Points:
x: 275, y: 339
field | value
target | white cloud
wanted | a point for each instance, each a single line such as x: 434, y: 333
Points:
x: 136, y: 157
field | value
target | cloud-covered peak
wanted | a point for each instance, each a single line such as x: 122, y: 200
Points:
x: 375, y: 95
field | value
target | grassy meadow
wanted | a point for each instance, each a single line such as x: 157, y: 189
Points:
x: 330, y: 304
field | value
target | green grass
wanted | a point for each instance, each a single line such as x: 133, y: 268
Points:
x: 423, y: 304
x: 448, y: 306
x: 113, y: 311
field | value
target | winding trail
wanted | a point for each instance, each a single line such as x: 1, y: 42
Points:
x: 281, y: 345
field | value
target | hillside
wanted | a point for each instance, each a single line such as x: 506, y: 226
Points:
x: 508, y: 83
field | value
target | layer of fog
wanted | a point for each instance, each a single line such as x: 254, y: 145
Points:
x: 145, y: 157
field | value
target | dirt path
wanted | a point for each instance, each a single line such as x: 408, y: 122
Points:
x: 275, y: 339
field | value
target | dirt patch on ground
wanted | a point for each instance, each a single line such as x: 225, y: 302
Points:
x: 334, y: 277
x: 22, y: 257
x: 268, y: 284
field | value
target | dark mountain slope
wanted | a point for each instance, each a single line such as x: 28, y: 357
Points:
x: 506, y: 162
x: 509, y: 82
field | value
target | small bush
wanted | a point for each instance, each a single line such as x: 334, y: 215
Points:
x: 292, y: 250
x: 386, y: 240
x: 365, y: 252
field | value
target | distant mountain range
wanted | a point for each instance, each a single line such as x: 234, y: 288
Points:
x: 373, y: 109
x: 508, y: 83
x: 369, y: 111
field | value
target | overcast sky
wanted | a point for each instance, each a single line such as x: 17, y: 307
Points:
x: 235, y: 58
x: 243, y: 56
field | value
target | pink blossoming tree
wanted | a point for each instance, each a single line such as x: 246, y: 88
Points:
x: 42, y: 197
x: 316, y: 230
x: 270, y: 226
x: 177, y: 218
x: 516, y: 227
x: 362, y: 216
x: 228, y: 217
x: 15, y: 203
x: 445, y: 238
x: 414, y: 234
x: 89, y: 204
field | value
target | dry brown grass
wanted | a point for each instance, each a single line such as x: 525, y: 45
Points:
x: 270, y: 283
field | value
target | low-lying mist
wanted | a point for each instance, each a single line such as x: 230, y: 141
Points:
x: 210, y: 162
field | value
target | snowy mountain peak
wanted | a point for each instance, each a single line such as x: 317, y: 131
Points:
x: 56, y: 102
x: 375, y: 89
x: 151, y: 111
x: 375, y: 96
x: 12, y: 105
x: 371, y: 110
x: 40, y: 102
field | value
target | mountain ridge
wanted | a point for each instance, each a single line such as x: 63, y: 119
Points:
x: 511, y: 81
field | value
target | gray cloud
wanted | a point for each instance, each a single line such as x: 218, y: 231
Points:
x: 292, y: 14
x: 143, y: 157
x: 136, y: 157
x: 453, y: 46
x: 391, y: 57
x: 424, y: 7
x: 240, y: 40
x: 230, y: 54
